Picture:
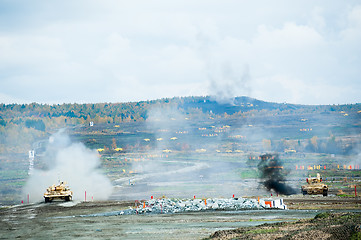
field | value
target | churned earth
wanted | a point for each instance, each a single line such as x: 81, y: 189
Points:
x: 85, y: 220
x: 346, y: 225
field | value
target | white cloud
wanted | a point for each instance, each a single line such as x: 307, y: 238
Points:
x: 117, y: 48
x: 317, y: 20
x: 283, y: 88
x: 352, y: 33
x: 142, y: 50
x: 30, y: 50
x: 290, y: 36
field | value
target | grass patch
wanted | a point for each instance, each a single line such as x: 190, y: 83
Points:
x: 13, y: 174
x: 262, y: 231
x: 346, y: 195
x: 249, y: 173
x: 323, y: 215
x: 356, y: 236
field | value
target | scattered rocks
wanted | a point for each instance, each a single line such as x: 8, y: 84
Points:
x: 166, y: 205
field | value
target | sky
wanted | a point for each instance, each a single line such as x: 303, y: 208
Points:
x: 87, y: 51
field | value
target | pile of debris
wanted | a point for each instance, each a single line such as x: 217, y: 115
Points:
x: 166, y: 205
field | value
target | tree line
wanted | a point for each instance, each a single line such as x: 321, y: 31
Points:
x: 21, y: 124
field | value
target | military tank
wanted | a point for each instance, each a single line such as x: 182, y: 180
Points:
x: 315, y: 186
x: 60, y: 191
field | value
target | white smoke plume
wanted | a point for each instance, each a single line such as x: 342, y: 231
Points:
x: 227, y: 82
x: 72, y: 163
x: 187, y: 172
x: 356, y: 161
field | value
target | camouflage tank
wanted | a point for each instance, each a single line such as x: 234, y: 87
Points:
x: 60, y: 191
x: 315, y: 186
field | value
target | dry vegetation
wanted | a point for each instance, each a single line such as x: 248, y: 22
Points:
x: 323, y: 226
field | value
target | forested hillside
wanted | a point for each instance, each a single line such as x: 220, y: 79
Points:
x: 22, y: 124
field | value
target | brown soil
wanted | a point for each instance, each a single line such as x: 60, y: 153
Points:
x: 320, y: 202
x: 53, y: 220
x: 323, y: 226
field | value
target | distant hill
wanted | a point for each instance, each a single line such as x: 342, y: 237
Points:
x: 138, y: 111
x: 23, y: 124
x: 238, y: 104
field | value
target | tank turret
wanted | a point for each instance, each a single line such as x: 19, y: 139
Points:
x: 60, y: 191
x: 314, y: 186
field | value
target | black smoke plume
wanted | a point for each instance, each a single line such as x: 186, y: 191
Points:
x: 274, y: 175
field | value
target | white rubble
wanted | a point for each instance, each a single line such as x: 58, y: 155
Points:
x: 273, y: 203
x: 166, y: 205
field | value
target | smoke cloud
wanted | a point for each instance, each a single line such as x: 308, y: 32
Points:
x: 72, y: 163
x: 227, y: 82
x: 356, y: 161
x: 189, y: 167
x: 273, y: 174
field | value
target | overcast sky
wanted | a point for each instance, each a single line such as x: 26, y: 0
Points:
x: 306, y: 52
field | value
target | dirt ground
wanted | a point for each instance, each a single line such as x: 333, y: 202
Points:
x: 319, y: 202
x: 340, y: 218
x: 323, y: 226
x: 100, y: 220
